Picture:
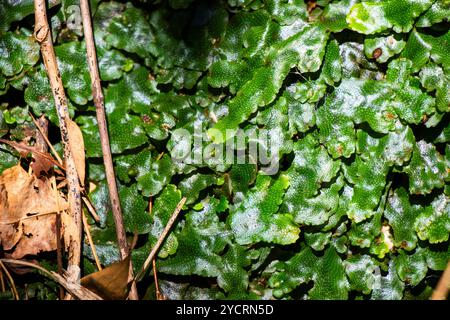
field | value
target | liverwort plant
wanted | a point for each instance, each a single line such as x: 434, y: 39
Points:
x: 240, y: 147
x: 309, y: 139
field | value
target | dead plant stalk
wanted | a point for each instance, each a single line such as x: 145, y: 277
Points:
x: 42, y: 34
x: 161, y: 239
x: 97, y: 95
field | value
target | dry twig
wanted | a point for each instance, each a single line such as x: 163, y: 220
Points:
x: 104, y: 139
x: 75, y: 289
x: 2, y: 282
x: 11, y: 281
x: 159, y: 295
x: 441, y: 291
x: 91, y: 243
x: 90, y: 208
x: 43, y: 135
x: 161, y: 239
x: 73, y: 230
x: 59, y: 252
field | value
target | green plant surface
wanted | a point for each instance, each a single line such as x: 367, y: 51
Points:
x: 372, y: 17
x: 360, y: 272
x: 427, y: 169
x: 255, y: 219
x: 19, y: 53
x: 352, y: 95
x: 402, y: 216
x: 327, y: 272
x: 383, y: 48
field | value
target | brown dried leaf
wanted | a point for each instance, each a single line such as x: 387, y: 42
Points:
x: 26, y: 204
x: 38, y: 235
x: 20, y: 147
x: 22, y: 195
x: 41, y: 165
x: 110, y: 283
x: 77, y: 148
x: 43, y: 161
x: 10, y: 235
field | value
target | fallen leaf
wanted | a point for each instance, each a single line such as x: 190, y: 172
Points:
x: 38, y: 235
x: 43, y: 161
x: 41, y: 165
x: 22, y: 195
x: 10, y: 235
x: 110, y: 283
x: 27, y: 224
x: 77, y: 148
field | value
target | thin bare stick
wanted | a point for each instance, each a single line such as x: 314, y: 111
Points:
x: 159, y: 295
x: 73, y: 231
x: 59, y: 252
x: 101, y: 119
x: 97, y: 95
x: 74, y: 288
x: 26, y: 218
x: 2, y: 282
x: 58, y: 225
x: 155, y: 278
x: 91, y: 208
x: 91, y: 243
x: 161, y: 239
x: 134, y: 240
x: 11, y: 281
x: 52, y: 149
x: 159, y: 156
x: 441, y: 291
x: 41, y: 134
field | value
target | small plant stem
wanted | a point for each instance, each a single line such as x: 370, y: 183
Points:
x: 97, y: 95
x: 42, y: 34
x: 161, y: 239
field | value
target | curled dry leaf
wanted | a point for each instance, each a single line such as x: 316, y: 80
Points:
x: 27, y: 225
x: 43, y: 161
x: 77, y: 148
x: 40, y: 164
x: 110, y: 283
